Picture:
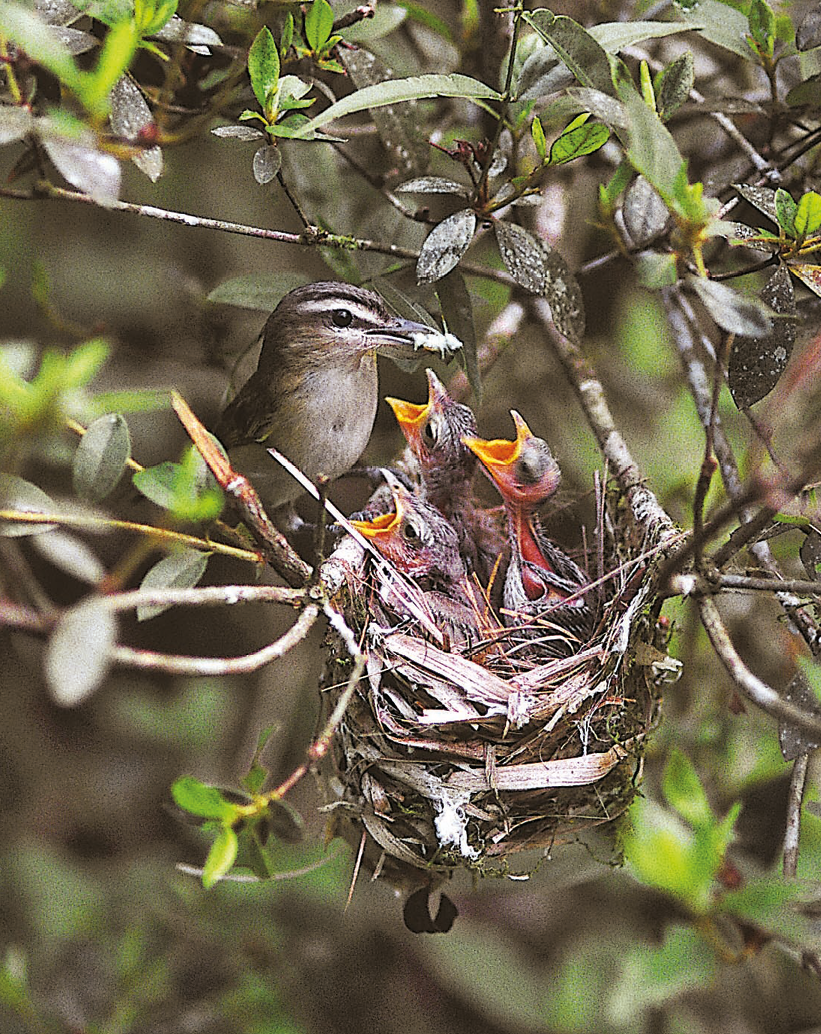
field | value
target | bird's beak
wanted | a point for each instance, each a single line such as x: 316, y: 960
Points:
x: 498, y: 455
x: 410, y: 417
x: 374, y: 531
x: 404, y: 339
x: 381, y: 528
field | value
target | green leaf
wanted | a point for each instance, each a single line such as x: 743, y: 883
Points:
x: 79, y: 651
x: 101, y: 457
x: 808, y: 215
x: 263, y: 65
x: 152, y: 15
x: 652, y: 150
x: 395, y: 91
x: 683, y: 791
x: 44, y: 47
x: 720, y: 24
x: 220, y: 858
x: 537, y: 133
x: 206, y: 802
x: 577, y: 142
x: 187, y: 489
x: 262, y: 291
x: 319, y: 21
x: 579, y: 50
x: 648, y: 94
x: 457, y: 314
x: 785, y: 211
x: 287, y: 37
x: 762, y: 26
x: 181, y: 570
x: 82, y: 365
x: 673, y: 85
x: 17, y: 494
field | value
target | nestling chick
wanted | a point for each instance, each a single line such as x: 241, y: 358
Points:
x: 540, y: 577
x: 435, y: 433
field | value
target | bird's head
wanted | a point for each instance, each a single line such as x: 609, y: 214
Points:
x: 435, y: 430
x: 415, y: 537
x: 524, y: 470
x: 319, y: 323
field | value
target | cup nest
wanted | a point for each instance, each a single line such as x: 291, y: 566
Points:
x: 462, y: 755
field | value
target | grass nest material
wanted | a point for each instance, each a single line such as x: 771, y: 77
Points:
x: 464, y: 756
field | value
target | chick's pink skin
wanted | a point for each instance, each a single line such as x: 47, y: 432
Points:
x: 526, y: 475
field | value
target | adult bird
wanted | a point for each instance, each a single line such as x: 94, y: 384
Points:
x: 541, y: 580
x: 419, y: 541
x: 435, y: 432
x: 314, y: 394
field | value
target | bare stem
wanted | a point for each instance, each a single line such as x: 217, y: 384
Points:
x: 752, y: 687
x: 174, y: 664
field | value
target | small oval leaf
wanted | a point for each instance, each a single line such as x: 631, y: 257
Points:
x: 445, y: 245
x: 762, y: 198
x: 178, y: 571
x: 792, y: 739
x: 17, y: 494
x: 645, y: 214
x: 71, y: 555
x: 206, y: 802
x: 756, y: 364
x: 731, y: 310
x: 81, y: 163
x: 220, y: 858
x: 674, y: 85
x: 433, y: 185
x: 238, y: 133
x: 523, y: 255
x: 563, y: 294
x: 79, y: 651
x: 267, y: 163
x: 129, y: 115
x: 101, y: 457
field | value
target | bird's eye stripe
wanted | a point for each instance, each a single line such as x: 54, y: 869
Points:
x: 331, y: 305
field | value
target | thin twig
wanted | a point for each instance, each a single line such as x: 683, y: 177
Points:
x: 320, y: 239
x: 752, y: 687
x: 98, y: 524
x: 798, y: 781
x: 175, y: 664
x: 647, y: 511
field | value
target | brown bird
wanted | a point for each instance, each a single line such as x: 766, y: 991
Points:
x: 435, y: 433
x: 420, y: 542
x: 540, y: 579
x: 314, y: 394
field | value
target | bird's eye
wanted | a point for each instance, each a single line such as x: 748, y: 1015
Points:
x: 409, y: 533
x: 342, y: 317
x: 429, y: 432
